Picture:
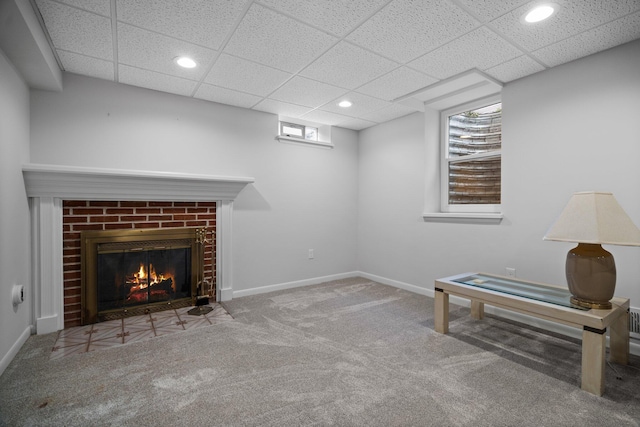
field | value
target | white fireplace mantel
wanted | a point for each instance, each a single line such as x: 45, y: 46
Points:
x: 48, y: 185
x: 79, y: 183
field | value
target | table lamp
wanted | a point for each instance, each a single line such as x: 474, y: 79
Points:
x: 591, y: 219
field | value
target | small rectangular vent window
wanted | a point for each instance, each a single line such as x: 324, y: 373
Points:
x: 293, y: 130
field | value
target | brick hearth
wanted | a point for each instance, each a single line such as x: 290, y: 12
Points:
x: 80, y: 215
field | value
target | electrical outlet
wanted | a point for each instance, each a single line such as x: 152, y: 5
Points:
x: 511, y: 272
x: 310, y: 253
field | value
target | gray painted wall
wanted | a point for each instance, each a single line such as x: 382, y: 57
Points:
x: 568, y: 129
x: 303, y: 197
x: 15, y: 321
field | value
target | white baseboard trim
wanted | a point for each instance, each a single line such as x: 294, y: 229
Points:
x: 7, y: 358
x: 296, y: 284
x: 396, y: 284
x: 46, y: 325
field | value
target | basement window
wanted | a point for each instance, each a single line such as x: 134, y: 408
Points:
x: 298, y: 131
x: 293, y: 130
x: 471, y: 164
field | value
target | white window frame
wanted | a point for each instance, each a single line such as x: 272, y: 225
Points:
x: 445, y: 160
x: 303, y: 129
x: 323, y: 132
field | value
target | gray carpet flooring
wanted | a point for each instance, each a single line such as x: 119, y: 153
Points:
x: 344, y: 353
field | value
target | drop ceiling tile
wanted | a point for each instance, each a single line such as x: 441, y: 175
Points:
x: 102, y: 7
x: 77, y: 31
x: 487, y: 10
x: 514, y: 69
x: 275, y: 40
x: 156, y: 52
x: 226, y: 96
x: 406, y: 29
x: 203, y: 22
x: 348, y: 66
x: 362, y: 104
x: 604, y: 37
x: 480, y: 49
x: 156, y: 81
x: 397, y: 83
x: 390, y: 112
x: 246, y: 76
x: 356, y: 124
x: 282, y: 108
x: 307, y: 92
x: 86, y: 66
x: 338, y: 16
x: 573, y: 17
x: 325, y: 117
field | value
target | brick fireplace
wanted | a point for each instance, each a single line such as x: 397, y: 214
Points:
x: 65, y: 199
x: 86, y: 215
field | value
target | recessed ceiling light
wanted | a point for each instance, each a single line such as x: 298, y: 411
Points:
x: 540, y: 12
x: 345, y: 104
x: 185, y: 62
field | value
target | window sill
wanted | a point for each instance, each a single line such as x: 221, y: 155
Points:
x: 304, y: 141
x: 468, y: 217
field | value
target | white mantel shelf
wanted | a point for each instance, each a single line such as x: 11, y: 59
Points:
x: 47, y: 186
x: 79, y: 183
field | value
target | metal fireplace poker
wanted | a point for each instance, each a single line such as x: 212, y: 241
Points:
x: 203, y: 285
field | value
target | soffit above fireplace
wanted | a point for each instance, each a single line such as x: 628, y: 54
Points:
x: 79, y: 183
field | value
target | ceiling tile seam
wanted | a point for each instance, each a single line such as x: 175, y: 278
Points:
x: 114, y: 41
x: 79, y: 8
x: 324, y: 30
x: 578, y: 34
x: 440, y: 46
x: 45, y: 30
x: 475, y: 16
x: 222, y: 47
x: 160, y: 73
x: 339, y: 39
x: 80, y: 54
x: 298, y: 72
x: 389, y: 72
x: 515, y: 44
x: 254, y: 62
x: 242, y: 92
x: 166, y: 35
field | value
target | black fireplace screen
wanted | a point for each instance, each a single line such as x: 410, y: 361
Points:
x: 131, y: 278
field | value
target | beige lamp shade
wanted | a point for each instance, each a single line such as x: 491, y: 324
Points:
x: 593, y: 217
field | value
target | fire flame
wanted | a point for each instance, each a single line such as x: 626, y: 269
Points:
x: 141, y: 280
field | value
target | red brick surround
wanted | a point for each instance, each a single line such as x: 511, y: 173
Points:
x: 79, y: 215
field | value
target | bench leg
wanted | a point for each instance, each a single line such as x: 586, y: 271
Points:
x: 477, y: 310
x: 441, y: 311
x: 619, y: 339
x: 593, y: 358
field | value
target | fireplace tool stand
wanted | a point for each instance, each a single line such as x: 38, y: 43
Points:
x: 201, y: 301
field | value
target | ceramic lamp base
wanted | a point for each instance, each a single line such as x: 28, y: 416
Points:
x: 591, y: 276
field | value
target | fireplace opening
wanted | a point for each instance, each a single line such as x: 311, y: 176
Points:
x: 130, y: 272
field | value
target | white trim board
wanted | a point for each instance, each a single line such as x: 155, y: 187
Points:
x: 13, y: 351
x: 294, y: 284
